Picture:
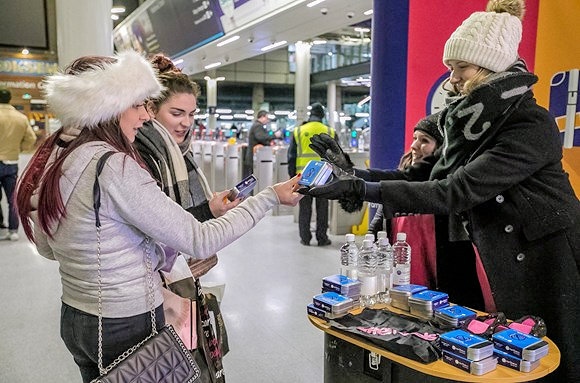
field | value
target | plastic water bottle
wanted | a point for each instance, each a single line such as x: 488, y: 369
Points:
x: 370, y: 237
x: 349, y: 257
x: 401, y: 261
x: 380, y: 234
x: 384, y: 269
x: 367, y: 273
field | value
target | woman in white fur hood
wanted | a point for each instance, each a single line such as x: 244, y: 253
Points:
x: 103, y: 98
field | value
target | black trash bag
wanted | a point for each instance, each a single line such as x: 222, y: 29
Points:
x: 398, y: 334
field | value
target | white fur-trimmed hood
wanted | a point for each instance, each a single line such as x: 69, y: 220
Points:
x: 99, y: 95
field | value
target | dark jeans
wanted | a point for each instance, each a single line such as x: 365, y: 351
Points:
x: 305, y: 215
x: 79, y: 331
x: 8, y: 175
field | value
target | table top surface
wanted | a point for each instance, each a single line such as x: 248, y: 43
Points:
x: 443, y: 370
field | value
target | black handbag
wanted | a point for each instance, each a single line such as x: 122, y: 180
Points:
x: 159, y: 358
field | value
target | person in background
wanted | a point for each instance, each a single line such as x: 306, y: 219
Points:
x: 258, y: 135
x: 299, y: 154
x: 434, y: 257
x: 499, y: 178
x: 16, y: 136
x: 104, y: 98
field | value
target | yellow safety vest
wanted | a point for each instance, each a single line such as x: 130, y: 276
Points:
x: 302, y: 135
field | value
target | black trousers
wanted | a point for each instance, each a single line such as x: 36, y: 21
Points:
x: 305, y: 215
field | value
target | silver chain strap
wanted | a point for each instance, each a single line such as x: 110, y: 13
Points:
x: 150, y: 299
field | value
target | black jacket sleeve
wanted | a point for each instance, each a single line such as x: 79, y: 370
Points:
x: 201, y: 212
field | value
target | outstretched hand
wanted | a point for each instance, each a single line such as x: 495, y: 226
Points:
x: 341, y: 187
x: 219, y: 204
x: 286, y: 191
x: 328, y: 149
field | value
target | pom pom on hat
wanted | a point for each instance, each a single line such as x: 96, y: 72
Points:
x: 488, y: 39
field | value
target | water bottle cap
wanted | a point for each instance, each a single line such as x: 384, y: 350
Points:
x: 349, y: 237
x: 383, y: 241
x: 370, y: 236
x: 367, y: 242
x: 401, y: 236
x: 381, y: 234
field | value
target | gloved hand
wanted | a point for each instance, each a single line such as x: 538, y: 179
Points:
x: 328, y: 149
x: 342, y: 187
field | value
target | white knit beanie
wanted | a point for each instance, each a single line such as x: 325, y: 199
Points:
x: 487, y: 39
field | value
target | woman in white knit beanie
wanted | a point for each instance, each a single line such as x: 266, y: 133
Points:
x: 485, y: 42
x: 499, y: 180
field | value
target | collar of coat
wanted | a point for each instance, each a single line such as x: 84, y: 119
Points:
x: 470, y: 120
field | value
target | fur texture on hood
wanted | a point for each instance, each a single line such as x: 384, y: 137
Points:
x: 94, y: 96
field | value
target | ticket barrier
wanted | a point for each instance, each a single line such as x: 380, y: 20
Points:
x: 280, y: 175
x: 233, y: 165
x: 263, y: 167
x: 206, y: 160
x: 218, y: 171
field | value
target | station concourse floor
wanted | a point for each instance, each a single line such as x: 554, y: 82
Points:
x: 269, y: 278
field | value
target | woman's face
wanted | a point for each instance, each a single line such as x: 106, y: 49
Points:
x: 176, y: 114
x: 132, y: 119
x: 460, y: 72
x: 423, y: 145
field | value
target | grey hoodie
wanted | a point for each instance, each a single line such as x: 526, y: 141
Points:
x: 132, y: 207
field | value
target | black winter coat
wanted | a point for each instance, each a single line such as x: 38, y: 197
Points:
x: 521, y: 211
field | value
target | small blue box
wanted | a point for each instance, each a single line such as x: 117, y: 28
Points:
x: 473, y: 367
x: 332, y: 302
x: 454, y: 315
x: 340, y: 283
x: 315, y: 311
x: 465, y: 344
x: 315, y: 173
x: 430, y: 299
x: 513, y: 362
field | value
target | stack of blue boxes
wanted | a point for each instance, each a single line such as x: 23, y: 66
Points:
x: 519, y: 351
x: 468, y: 352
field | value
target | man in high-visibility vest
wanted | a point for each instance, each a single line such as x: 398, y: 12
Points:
x: 299, y: 154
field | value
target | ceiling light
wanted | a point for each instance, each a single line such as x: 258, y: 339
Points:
x: 274, y: 45
x: 362, y: 30
x: 114, y: 17
x: 313, y: 3
x: 249, y: 111
x: 227, y: 41
x: 363, y: 101
x: 239, y: 115
x: 118, y: 10
x: 223, y: 111
x: 213, y: 65
x: 319, y: 41
x: 368, y: 13
x: 25, y: 51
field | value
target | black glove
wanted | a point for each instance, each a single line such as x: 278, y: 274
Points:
x: 328, y: 149
x: 343, y: 187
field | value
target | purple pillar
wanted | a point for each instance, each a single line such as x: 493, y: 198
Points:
x: 388, y: 82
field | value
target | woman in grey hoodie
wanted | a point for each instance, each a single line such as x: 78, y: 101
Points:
x: 104, y: 98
